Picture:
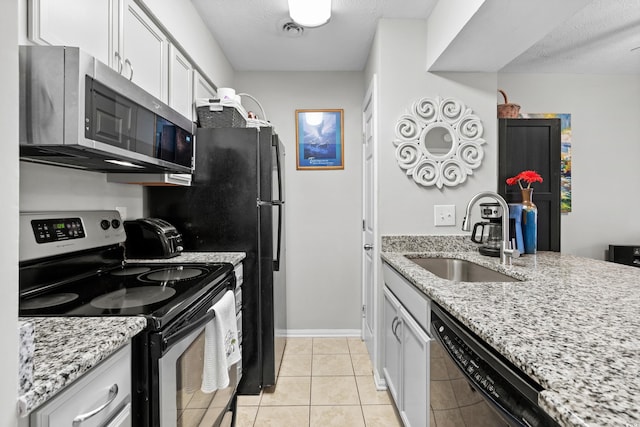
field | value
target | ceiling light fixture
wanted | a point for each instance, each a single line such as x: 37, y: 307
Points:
x: 310, y: 13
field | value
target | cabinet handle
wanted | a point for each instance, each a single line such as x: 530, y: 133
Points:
x: 119, y: 58
x: 126, y: 61
x: 395, y: 330
x: 113, y: 392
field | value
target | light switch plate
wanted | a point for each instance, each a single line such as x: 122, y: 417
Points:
x: 444, y: 215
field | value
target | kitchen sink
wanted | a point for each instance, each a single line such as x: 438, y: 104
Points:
x: 459, y: 270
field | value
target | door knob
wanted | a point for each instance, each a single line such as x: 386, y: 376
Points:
x: 368, y: 247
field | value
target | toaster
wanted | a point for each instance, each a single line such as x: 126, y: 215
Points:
x: 151, y: 238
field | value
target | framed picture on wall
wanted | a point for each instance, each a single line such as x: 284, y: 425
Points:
x: 320, y: 139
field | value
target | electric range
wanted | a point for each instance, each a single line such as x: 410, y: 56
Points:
x: 72, y: 264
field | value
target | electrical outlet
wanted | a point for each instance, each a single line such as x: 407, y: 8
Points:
x: 444, y: 215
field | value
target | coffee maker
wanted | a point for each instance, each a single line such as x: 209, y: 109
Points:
x: 489, y: 233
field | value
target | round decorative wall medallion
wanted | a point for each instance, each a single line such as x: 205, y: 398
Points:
x: 439, y: 142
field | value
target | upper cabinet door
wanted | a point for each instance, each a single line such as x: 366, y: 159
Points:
x: 89, y: 24
x: 180, y: 83
x: 144, y: 50
x: 201, y: 89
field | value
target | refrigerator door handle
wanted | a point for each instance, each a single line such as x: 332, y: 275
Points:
x: 278, y: 204
x: 275, y: 142
x: 270, y: 202
x: 276, y: 262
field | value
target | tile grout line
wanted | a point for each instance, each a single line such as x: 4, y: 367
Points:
x: 311, y: 371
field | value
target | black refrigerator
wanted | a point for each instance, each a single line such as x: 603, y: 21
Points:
x: 235, y: 204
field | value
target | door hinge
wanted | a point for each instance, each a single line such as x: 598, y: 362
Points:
x: 363, y: 225
x: 364, y: 310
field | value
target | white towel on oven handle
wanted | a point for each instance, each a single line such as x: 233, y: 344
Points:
x: 221, y: 347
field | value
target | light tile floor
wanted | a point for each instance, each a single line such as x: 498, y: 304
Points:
x: 323, y: 382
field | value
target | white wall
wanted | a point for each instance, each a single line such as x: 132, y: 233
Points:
x: 605, y: 151
x: 9, y: 214
x: 45, y: 187
x: 405, y: 207
x: 323, y: 208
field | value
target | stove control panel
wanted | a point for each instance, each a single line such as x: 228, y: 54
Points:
x: 54, y: 230
x: 44, y: 234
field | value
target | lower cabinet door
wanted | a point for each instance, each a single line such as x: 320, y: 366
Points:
x: 414, y: 408
x: 391, y: 345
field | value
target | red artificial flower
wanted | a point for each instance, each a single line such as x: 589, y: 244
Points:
x: 528, y: 176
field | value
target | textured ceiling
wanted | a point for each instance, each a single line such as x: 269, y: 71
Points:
x: 250, y: 33
x: 598, y: 39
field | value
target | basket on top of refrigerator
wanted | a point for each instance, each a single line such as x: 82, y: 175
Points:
x: 220, y: 113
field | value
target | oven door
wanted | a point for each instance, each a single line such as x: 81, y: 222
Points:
x: 177, y: 361
x: 182, y: 403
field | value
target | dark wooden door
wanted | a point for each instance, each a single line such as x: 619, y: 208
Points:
x: 533, y: 144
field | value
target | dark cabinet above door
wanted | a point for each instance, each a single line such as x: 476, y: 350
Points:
x: 533, y: 144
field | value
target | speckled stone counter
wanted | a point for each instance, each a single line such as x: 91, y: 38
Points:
x: 67, y: 347
x: 232, y: 257
x: 572, y: 324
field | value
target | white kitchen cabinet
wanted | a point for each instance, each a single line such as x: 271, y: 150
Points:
x: 91, y: 25
x: 180, y: 83
x: 117, y: 32
x: 414, y: 362
x: 392, y: 344
x: 101, y: 397
x: 406, y: 349
x: 143, y: 50
x: 201, y: 89
x: 239, y: 273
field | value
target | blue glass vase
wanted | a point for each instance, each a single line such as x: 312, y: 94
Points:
x: 529, y: 222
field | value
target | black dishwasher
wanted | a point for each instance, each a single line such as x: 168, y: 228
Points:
x: 472, y: 385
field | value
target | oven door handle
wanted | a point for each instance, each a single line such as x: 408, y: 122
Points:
x: 174, y: 336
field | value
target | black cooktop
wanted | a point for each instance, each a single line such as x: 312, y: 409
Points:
x: 156, y: 290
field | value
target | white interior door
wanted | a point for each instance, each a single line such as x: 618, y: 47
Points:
x: 370, y: 251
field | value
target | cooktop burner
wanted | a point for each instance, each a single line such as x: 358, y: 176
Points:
x: 46, y: 301
x: 130, y: 271
x: 173, y: 274
x: 133, y: 297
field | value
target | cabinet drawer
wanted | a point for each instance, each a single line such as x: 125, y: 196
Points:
x: 413, y: 300
x: 239, y: 272
x: 110, y: 381
x: 238, y: 297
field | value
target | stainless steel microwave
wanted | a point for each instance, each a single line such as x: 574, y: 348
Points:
x: 77, y: 112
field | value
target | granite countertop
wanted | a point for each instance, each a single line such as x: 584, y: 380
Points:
x: 571, y: 325
x: 231, y: 257
x: 67, y: 347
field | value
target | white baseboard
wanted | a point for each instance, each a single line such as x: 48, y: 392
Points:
x: 330, y: 333
x: 379, y: 381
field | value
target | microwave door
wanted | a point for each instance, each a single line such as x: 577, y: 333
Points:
x: 113, y: 117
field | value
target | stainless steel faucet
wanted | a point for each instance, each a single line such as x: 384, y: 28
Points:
x: 506, y: 250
